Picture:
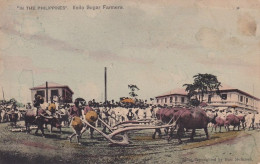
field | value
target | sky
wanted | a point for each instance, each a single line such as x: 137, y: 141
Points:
x: 158, y: 46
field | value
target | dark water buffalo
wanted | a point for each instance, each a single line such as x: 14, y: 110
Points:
x: 218, y: 122
x: 54, y: 122
x: 233, y: 120
x: 166, y: 116
x: 63, y: 116
x: 194, y: 118
x: 13, y: 117
x: 30, y: 118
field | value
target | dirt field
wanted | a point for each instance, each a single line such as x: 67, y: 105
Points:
x: 227, y: 147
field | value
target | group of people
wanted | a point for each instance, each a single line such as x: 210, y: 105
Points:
x: 9, y: 112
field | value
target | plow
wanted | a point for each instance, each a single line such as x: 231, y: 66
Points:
x: 119, y: 133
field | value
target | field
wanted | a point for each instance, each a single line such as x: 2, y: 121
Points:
x: 227, y: 147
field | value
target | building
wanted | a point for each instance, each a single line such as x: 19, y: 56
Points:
x: 62, y: 93
x: 231, y: 98
x: 176, y: 97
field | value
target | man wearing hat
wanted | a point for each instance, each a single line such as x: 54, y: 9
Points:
x: 130, y: 115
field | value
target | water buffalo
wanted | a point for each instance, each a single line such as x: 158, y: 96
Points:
x: 218, y: 122
x: 166, y: 115
x: 54, y: 122
x: 233, y: 120
x: 194, y: 118
x: 31, y: 118
x: 13, y: 117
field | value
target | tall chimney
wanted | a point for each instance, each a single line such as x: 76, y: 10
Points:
x: 46, y: 91
x: 105, y: 85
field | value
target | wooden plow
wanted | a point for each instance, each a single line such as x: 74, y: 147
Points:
x: 121, y: 130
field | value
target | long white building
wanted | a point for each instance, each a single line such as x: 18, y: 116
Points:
x: 231, y: 98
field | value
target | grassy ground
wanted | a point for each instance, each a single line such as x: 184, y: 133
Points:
x: 226, y: 147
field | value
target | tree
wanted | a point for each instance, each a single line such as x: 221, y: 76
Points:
x: 133, y: 89
x: 203, y: 84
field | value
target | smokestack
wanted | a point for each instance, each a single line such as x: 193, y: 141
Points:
x: 106, y: 85
x: 46, y: 91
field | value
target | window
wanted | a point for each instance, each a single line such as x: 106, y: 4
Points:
x: 54, y: 93
x: 170, y: 99
x: 176, y: 98
x: 223, y: 96
x: 246, y: 100
x: 42, y: 93
x: 165, y: 100
x: 157, y: 100
x: 241, y: 98
x: 209, y: 99
x: 182, y: 99
x: 161, y: 100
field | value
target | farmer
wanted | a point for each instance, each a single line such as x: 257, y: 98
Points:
x: 75, y: 110
x: 130, y: 115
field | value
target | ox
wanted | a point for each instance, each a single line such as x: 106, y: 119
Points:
x: 30, y: 118
x: 218, y: 122
x: 194, y: 118
x: 233, y: 120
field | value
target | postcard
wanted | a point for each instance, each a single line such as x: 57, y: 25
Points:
x: 113, y: 81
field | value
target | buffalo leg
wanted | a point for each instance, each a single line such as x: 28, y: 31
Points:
x: 192, y: 135
x: 166, y: 131
x: 91, y: 133
x: 227, y: 128
x: 170, y: 134
x: 27, y: 127
x: 157, y: 131
x: 179, y: 135
x: 206, y: 131
x: 36, y: 132
x: 153, y: 136
x: 40, y: 126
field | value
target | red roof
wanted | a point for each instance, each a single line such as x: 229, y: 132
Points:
x: 177, y: 91
x: 51, y: 85
x: 224, y: 87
